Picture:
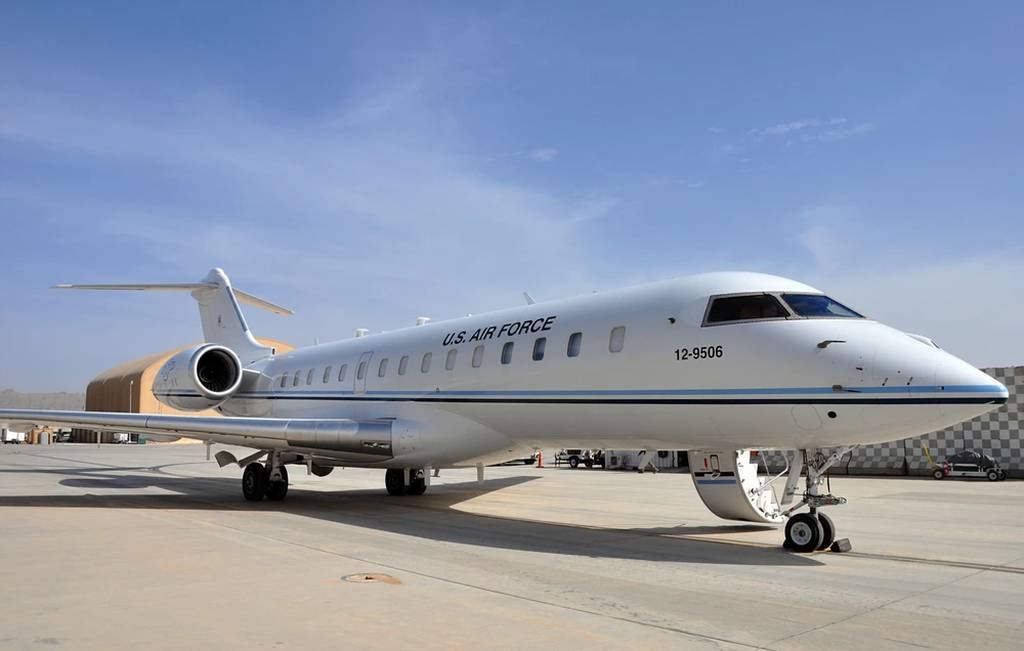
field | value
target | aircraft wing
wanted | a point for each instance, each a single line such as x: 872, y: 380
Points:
x: 357, y: 440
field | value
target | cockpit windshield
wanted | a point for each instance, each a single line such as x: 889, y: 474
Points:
x: 769, y: 306
x: 749, y: 307
x: 818, y: 305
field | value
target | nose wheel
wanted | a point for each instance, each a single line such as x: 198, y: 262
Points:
x: 813, y: 531
x: 808, y: 532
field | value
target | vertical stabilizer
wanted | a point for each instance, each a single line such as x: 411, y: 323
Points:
x: 223, y: 322
x: 221, y: 316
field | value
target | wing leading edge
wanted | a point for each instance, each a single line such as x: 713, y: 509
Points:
x: 359, y: 440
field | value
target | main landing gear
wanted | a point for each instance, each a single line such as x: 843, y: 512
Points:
x: 406, y: 481
x: 812, y: 531
x: 269, y: 481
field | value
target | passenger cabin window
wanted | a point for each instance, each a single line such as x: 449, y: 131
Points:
x: 383, y: 368
x: 341, y: 372
x: 449, y: 362
x: 403, y: 364
x: 575, y: 341
x: 361, y: 371
x: 327, y: 375
x: 425, y: 364
x: 297, y: 379
x: 478, y: 356
x: 617, y: 339
x: 309, y: 376
x: 751, y: 307
x: 819, y: 306
x: 506, y: 352
x: 284, y: 379
x: 538, y: 348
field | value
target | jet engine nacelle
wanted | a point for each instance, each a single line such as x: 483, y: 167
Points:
x: 198, y: 378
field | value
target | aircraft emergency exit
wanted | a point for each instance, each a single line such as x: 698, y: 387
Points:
x: 719, y: 364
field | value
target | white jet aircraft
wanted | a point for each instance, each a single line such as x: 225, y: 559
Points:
x: 717, y: 364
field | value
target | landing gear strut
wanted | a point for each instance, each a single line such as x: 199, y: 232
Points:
x: 813, y: 531
x: 406, y: 481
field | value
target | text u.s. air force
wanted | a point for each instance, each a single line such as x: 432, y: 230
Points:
x: 511, y: 329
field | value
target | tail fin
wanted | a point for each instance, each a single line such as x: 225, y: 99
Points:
x: 221, y: 316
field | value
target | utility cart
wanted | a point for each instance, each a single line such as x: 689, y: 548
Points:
x: 968, y: 463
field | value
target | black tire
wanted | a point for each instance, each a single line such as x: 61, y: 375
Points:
x: 589, y: 463
x: 993, y: 475
x: 938, y: 474
x: 276, y: 490
x: 322, y: 471
x: 417, y: 485
x: 394, y: 481
x: 803, y: 533
x: 828, y: 532
x: 1002, y: 474
x: 254, y: 482
x: 574, y: 462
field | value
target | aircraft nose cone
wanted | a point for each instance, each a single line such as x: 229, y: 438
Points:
x: 969, y: 391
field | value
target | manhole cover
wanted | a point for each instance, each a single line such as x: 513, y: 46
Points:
x: 371, y: 578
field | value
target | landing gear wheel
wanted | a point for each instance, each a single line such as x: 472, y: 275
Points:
x: 574, y: 462
x: 828, y: 532
x: 938, y: 474
x: 993, y: 475
x: 276, y: 490
x: 417, y: 485
x: 254, y: 482
x: 803, y: 533
x: 394, y: 481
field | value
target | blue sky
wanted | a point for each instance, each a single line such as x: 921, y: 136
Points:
x: 369, y: 163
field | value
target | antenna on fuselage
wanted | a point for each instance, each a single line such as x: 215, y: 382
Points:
x: 529, y: 299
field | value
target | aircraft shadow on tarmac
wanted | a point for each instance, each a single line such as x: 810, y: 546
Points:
x: 431, y: 516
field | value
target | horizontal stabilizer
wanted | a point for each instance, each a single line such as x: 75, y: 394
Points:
x: 243, y: 297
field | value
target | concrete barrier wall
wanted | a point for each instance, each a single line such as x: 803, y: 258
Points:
x: 998, y: 433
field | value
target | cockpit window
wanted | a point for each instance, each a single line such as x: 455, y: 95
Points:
x: 750, y: 307
x: 818, y: 305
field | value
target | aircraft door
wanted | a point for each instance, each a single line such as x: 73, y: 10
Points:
x: 362, y: 371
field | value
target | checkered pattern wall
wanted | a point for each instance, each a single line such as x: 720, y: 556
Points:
x: 998, y: 433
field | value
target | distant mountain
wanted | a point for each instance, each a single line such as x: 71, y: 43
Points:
x: 10, y: 399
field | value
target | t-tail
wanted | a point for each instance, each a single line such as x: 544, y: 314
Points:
x: 221, y: 316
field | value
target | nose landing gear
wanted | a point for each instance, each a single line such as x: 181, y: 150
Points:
x: 812, y: 531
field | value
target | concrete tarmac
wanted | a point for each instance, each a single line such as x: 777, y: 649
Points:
x: 153, y: 547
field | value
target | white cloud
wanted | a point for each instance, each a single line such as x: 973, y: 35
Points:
x: 357, y: 219
x: 543, y: 155
x: 812, y: 130
x: 840, y: 133
x: 783, y: 128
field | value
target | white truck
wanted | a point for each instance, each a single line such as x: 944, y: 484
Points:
x: 11, y: 436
